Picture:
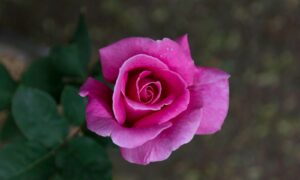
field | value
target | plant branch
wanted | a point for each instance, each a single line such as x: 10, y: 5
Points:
x: 52, y: 152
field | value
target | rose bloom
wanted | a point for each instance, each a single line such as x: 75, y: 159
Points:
x: 160, y: 100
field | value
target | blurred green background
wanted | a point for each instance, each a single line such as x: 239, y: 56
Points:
x: 257, y: 42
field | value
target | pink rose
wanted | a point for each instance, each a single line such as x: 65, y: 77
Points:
x: 161, y: 99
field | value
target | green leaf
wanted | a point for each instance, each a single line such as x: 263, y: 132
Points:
x: 73, y: 105
x: 7, y: 88
x: 25, y: 161
x: 66, y: 60
x: 83, y: 158
x: 72, y: 59
x: 97, y: 74
x: 36, y: 115
x: 56, y: 177
x: 42, y: 75
x: 82, y: 39
x: 10, y: 131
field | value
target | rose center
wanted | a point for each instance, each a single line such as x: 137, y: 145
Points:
x: 149, y: 93
x: 143, y: 87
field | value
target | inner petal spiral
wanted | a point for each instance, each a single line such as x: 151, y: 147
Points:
x: 144, y: 88
x: 150, y: 92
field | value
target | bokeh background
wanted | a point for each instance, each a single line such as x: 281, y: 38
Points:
x: 256, y: 41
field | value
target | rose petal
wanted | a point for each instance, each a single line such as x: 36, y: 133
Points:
x: 133, y: 137
x: 99, y: 115
x: 100, y: 118
x: 136, y: 111
x: 182, y: 131
x: 183, y: 41
x: 213, y: 85
x: 104, y: 125
x: 153, y: 107
x: 135, y: 62
x: 166, y: 50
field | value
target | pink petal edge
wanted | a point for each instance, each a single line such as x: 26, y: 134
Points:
x: 183, y: 41
x: 213, y: 84
x: 166, y: 50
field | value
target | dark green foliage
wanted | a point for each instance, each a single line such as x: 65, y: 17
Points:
x: 96, y: 72
x: 42, y: 75
x: 34, y: 136
x: 7, y: 88
x: 82, y: 39
x: 25, y: 161
x: 36, y: 115
x: 84, y: 159
x: 56, y: 177
x: 67, y: 61
x: 72, y: 59
x: 73, y: 105
x: 10, y: 132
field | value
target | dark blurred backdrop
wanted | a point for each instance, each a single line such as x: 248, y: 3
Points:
x: 257, y: 42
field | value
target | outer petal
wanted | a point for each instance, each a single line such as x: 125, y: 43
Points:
x: 183, y: 129
x: 133, y: 137
x: 183, y: 41
x: 168, y: 51
x: 214, y: 86
x: 98, y: 111
x: 101, y: 121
